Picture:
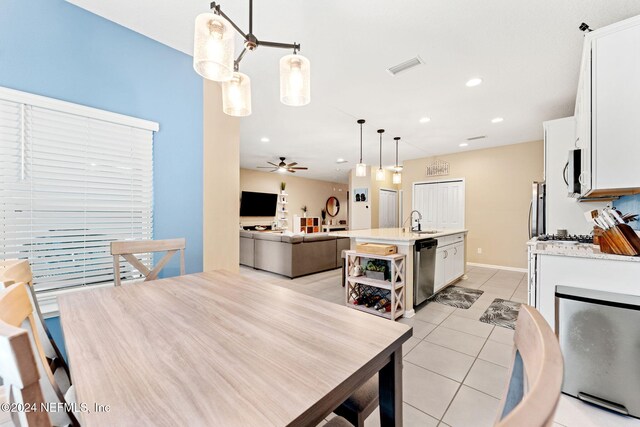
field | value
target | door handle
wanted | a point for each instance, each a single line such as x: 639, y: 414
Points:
x: 456, y: 251
x: 446, y: 253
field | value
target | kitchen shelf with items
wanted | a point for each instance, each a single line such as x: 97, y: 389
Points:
x: 375, y: 283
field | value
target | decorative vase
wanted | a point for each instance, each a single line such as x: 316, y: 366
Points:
x: 304, y: 214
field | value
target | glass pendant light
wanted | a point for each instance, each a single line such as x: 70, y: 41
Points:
x: 295, y: 77
x: 397, y: 176
x: 361, y: 168
x: 213, y: 47
x: 236, y: 95
x: 380, y: 172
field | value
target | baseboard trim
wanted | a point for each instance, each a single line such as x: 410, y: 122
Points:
x: 409, y: 313
x: 497, y: 267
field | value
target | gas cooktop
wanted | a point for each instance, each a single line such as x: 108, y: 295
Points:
x: 578, y: 238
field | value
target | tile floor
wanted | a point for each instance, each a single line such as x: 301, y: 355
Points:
x: 455, y: 366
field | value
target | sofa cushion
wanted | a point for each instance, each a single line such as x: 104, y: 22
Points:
x: 292, y: 239
x: 247, y: 234
x: 274, y: 237
x: 317, y: 237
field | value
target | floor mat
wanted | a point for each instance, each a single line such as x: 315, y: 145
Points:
x: 457, y: 296
x: 502, y: 313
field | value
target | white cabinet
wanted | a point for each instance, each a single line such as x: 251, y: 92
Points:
x: 607, y: 110
x: 440, y: 203
x: 449, y: 261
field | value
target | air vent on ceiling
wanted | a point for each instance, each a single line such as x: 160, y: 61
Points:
x: 473, y: 138
x: 404, y: 66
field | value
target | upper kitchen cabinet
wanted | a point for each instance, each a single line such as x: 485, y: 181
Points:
x: 608, y: 111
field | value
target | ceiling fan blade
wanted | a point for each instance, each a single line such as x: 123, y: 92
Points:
x: 300, y: 168
x: 273, y: 164
x: 264, y: 167
x: 291, y: 171
x: 292, y: 164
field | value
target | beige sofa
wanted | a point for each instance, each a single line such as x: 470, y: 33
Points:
x: 291, y: 256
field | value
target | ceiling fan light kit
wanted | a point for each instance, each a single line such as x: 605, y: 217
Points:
x: 361, y: 168
x: 283, y: 167
x: 213, y: 59
x: 380, y: 175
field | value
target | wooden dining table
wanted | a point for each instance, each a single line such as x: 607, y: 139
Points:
x: 219, y: 349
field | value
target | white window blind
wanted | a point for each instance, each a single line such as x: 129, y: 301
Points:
x: 72, y: 180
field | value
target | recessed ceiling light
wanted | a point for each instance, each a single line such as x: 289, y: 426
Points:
x: 425, y: 119
x: 497, y: 120
x: 264, y: 139
x: 341, y: 160
x: 474, y: 82
x: 464, y: 144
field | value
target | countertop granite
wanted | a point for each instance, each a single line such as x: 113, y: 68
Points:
x: 580, y: 250
x: 393, y: 235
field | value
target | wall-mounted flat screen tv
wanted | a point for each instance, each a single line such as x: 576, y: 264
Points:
x: 258, y: 204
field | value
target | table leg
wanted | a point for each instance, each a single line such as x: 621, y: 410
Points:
x: 390, y: 389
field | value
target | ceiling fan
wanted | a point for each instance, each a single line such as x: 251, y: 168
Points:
x: 283, y: 167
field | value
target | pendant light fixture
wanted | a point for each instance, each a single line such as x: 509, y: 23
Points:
x: 380, y: 171
x: 213, y: 46
x: 361, y: 168
x: 294, y: 80
x: 397, y: 176
x: 236, y: 95
x: 213, y: 59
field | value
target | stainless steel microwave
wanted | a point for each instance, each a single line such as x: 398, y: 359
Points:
x: 572, y: 171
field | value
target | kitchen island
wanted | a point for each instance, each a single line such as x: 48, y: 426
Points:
x: 449, y: 264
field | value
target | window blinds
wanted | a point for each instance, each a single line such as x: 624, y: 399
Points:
x: 72, y: 180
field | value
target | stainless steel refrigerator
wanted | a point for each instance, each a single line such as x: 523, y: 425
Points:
x: 537, y: 209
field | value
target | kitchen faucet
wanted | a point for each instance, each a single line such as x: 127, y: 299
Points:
x: 411, y: 218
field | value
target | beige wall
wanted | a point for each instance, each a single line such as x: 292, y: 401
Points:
x: 366, y: 215
x: 221, y: 156
x: 302, y: 191
x: 498, y: 192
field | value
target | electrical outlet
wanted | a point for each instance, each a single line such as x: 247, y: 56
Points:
x: 479, y: 250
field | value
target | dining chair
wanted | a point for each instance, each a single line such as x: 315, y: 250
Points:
x: 21, y: 379
x: 16, y: 311
x: 337, y: 421
x: 536, y: 374
x: 19, y: 271
x: 128, y: 249
x: 361, y: 403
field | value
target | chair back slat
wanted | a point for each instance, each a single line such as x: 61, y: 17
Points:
x: 539, y: 373
x: 20, y: 375
x: 16, y: 311
x: 19, y: 271
x: 128, y: 249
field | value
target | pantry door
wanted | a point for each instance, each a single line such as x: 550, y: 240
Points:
x: 388, y: 209
x: 441, y: 204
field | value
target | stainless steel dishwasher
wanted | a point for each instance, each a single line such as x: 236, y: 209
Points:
x: 424, y: 266
x: 600, y: 338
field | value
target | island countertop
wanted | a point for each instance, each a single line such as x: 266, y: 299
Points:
x: 395, y: 235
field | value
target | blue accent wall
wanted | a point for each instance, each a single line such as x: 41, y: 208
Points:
x: 55, y: 49
x: 629, y: 204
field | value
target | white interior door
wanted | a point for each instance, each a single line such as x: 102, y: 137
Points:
x: 388, y: 209
x: 440, y: 203
x: 450, y: 205
x: 425, y: 202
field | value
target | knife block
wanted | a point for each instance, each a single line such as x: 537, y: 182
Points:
x: 619, y: 240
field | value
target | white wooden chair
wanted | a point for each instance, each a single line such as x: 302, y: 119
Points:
x: 128, y: 249
x: 19, y: 372
x: 19, y: 271
x: 536, y: 374
x: 16, y: 311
